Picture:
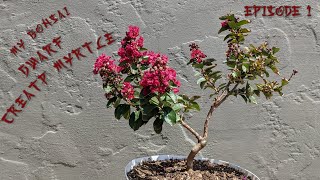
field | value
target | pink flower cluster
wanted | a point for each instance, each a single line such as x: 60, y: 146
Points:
x: 198, y: 55
x: 127, y: 91
x: 131, y: 44
x: 105, y: 62
x: 155, y: 59
x: 133, y: 32
x: 159, y: 80
x: 159, y: 77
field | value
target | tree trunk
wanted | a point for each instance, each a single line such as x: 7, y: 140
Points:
x: 195, y: 150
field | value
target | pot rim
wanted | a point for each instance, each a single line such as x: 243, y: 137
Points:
x: 137, y: 161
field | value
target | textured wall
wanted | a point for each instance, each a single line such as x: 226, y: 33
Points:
x: 65, y: 131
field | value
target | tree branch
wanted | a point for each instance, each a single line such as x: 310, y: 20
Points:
x: 190, y: 129
x: 202, y: 141
x: 220, y: 99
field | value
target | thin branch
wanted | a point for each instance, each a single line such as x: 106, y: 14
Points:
x: 191, y: 130
x: 293, y: 73
x: 214, y: 105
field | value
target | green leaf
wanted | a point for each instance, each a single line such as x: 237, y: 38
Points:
x: 200, y: 66
x: 129, y: 78
x: 209, y: 68
x: 201, y: 80
x: 245, y: 67
x: 284, y: 82
x: 244, y: 30
x: 172, y: 96
x: 148, y: 111
x: 241, y: 38
x: 257, y: 92
x: 135, y: 120
x: 193, y: 98
x: 202, y: 84
x: 134, y: 69
x: 112, y: 100
x: 154, y: 100
x: 233, y: 25
x: 157, y: 125
x: 143, y: 49
x: 117, y: 102
x: 185, y: 97
x: 162, y: 97
x: 274, y: 69
x: 197, y: 73
x: 231, y: 17
x: 275, y: 59
x: 231, y: 64
x: 275, y: 50
x: 236, y: 74
x: 123, y: 110
x: 250, y: 89
x: 252, y: 99
x: 244, y: 98
x: 227, y: 36
x: 222, y: 29
x: 243, y: 22
x: 177, y: 107
x: 210, y: 60
x: 260, y: 86
x: 223, y: 17
x: 170, y: 115
x: 108, y: 89
x: 195, y: 106
x: 123, y: 63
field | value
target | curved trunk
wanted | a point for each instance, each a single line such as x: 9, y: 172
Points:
x: 195, y: 150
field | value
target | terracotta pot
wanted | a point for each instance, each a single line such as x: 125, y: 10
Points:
x: 137, y: 161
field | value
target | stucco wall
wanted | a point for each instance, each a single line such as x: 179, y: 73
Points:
x: 65, y: 131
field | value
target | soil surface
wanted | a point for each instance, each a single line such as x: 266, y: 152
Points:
x: 176, y: 170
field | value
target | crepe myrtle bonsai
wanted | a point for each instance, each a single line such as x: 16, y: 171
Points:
x: 142, y: 87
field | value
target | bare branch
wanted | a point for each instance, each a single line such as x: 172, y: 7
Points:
x: 214, y: 105
x: 190, y: 129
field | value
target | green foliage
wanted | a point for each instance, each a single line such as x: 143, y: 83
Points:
x: 248, y: 64
x: 157, y: 125
x: 122, y: 110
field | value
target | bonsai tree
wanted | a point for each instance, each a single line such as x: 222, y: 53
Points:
x: 142, y: 87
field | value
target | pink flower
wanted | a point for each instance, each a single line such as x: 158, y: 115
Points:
x: 119, y: 69
x: 131, y: 51
x: 175, y: 90
x: 163, y: 60
x: 224, y: 23
x: 198, y: 55
x: 100, y: 62
x: 152, y: 57
x: 140, y: 42
x: 127, y: 91
x: 155, y: 59
x: 122, y: 52
x: 104, y: 61
x: 133, y: 32
x: 160, y: 80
